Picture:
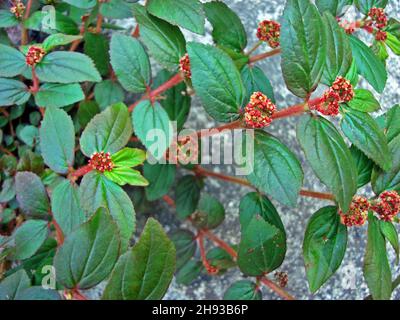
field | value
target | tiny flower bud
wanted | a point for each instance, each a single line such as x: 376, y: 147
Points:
x: 381, y: 35
x: 388, y: 205
x: 184, y: 66
x: 259, y: 111
x: 379, y: 17
x: 344, y: 88
x: 281, y: 278
x: 357, y: 214
x: 269, y: 31
x: 34, y: 55
x: 101, y: 161
x: 18, y: 9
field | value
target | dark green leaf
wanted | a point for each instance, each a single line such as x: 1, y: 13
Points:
x: 108, y: 93
x: 108, y: 131
x: 368, y: 64
x: 393, y: 122
x: 97, y: 47
x: 189, y: 272
x: 216, y: 81
x: 58, y: 39
x: 254, y: 79
x: 7, y: 190
x: 31, y: 194
x: 243, y: 290
x: 13, y: 285
x: 390, y: 233
x: 364, y: 166
x: 57, y: 140
x: 324, y: 246
x: 116, y: 9
x: 185, y: 13
x: 130, y: 63
x: 325, y: 149
x: 87, y: 110
x: 335, y: 7
x: 302, y: 28
x: 160, y: 177
x: 58, y: 95
x: 187, y: 195
x: 145, y: 272
x: 228, y: 30
x: 364, y: 101
x: 7, y: 19
x: 12, y: 62
x: 376, y: 269
x: 210, y: 213
x: 29, y: 237
x: 38, y: 293
x: 185, y: 244
x: 366, y: 5
x: 83, y: 4
x: 89, y: 253
x: 13, y: 92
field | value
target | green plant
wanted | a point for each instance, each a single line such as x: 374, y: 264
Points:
x: 74, y: 161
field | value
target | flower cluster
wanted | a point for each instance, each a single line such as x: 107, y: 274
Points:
x: 18, y: 9
x: 281, y: 278
x: 184, y: 66
x: 357, y: 214
x: 101, y: 161
x: 349, y: 27
x: 259, y: 111
x: 380, y: 20
x: 340, y: 91
x: 388, y: 205
x: 269, y: 31
x: 34, y: 55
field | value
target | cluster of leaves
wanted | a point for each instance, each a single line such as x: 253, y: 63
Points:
x: 70, y: 106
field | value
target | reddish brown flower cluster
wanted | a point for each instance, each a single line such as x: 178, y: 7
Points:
x: 34, y: 55
x: 259, y: 111
x: 349, y: 27
x: 340, y: 91
x: 357, y: 214
x: 281, y: 278
x: 388, y: 205
x: 101, y: 161
x: 269, y: 31
x: 380, y: 20
x: 184, y: 66
x: 18, y: 9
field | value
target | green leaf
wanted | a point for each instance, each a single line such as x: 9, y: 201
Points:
x: 128, y: 157
x: 366, y: 5
x: 7, y: 19
x: 153, y: 127
x: 210, y: 213
x: 116, y: 9
x: 145, y: 272
x: 83, y: 4
x: 108, y: 131
x: 97, y: 47
x: 29, y: 237
x: 376, y: 269
x: 185, y: 13
x: 31, y: 161
x: 254, y: 79
x: 89, y: 253
x: 165, y: 42
x: 220, y: 259
x: 66, y: 207
x: 57, y: 140
x: 13, y: 92
x: 393, y: 123
x: 363, y: 131
x: 38, y: 293
x: 243, y: 290
x: 368, y: 64
x: 12, y: 62
x: 58, y: 39
x: 302, y: 27
x: 31, y: 195
x: 7, y: 191
x: 324, y: 246
x: 86, y: 111
x: 67, y: 67
x: 335, y: 7
x: 262, y: 247
x: 185, y: 244
x: 352, y: 75
x: 108, y: 93
x: 216, y: 81
x: 59, y: 95
x: 364, y: 101
x: 228, y: 30
x: 97, y: 191
x: 390, y: 233
x: 393, y: 43
x: 13, y: 285
x: 189, y: 272
x: 325, y: 149
x: 338, y: 50
x: 364, y: 166
x: 28, y: 135
x: 381, y: 180
x: 276, y: 170
x: 380, y: 50
x: 160, y: 177
x: 175, y: 100
x: 123, y: 176
x: 187, y: 195
x: 130, y: 63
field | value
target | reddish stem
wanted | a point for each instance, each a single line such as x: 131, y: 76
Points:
x: 297, y: 109
x: 59, y: 232
x: 265, y: 55
x: 169, y: 201
x: 77, y: 295
x: 24, y: 31
x: 81, y: 171
x: 206, y: 263
x: 136, y: 32
x: 210, y: 132
x: 220, y: 243
x: 6, y: 151
x: 277, y: 289
x: 35, y: 87
x: 28, y: 9
x: 99, y: 22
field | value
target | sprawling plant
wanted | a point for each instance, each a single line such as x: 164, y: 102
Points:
x: 71, y: 149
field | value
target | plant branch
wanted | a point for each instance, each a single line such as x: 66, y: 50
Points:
x: 80, y: 172
x: 35, y: 87
x: 24, y: 31
x: 264, y: 55
x: 99, y: 22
